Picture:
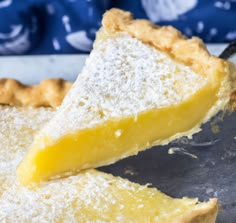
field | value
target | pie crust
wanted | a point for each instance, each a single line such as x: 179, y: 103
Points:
x: 191, y: 52
x: 48, y: 93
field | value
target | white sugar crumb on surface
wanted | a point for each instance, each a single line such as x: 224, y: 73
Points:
x: 122, y: 77
x: 118, y: 133
x: 176, y: 150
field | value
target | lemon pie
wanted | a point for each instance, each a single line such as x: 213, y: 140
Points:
x: 141, y: 86
x: 90, y: 196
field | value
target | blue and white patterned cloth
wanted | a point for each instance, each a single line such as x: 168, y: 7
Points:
x: 69, y: 26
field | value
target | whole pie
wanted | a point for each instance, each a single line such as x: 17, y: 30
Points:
x: 90, y: 196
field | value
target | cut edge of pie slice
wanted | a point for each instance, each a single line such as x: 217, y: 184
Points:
x: 86, y: 197
x: 141, y: 86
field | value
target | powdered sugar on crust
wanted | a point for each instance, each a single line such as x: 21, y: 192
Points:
x: 122, y: 77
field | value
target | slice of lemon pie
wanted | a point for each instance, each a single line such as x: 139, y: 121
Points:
x: 90, y: 196
x: 142, y: 85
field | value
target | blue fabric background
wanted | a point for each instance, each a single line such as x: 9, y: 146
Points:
x: 69, y: 26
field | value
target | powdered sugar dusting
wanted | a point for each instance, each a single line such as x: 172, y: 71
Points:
x: 122, y: 77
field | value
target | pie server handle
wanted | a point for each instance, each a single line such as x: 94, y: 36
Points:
x: 229, y: 51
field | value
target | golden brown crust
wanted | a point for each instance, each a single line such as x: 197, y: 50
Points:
x: 49, y: 93
x: 233, y: 101
x: 191, y: 52
x: 203, y: 213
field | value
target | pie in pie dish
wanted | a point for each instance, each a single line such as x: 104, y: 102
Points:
x: 142, y: 85
x: 90, y: 196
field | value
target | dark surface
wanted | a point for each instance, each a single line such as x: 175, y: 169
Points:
x: 228, y: 51
x: 212, y: 174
